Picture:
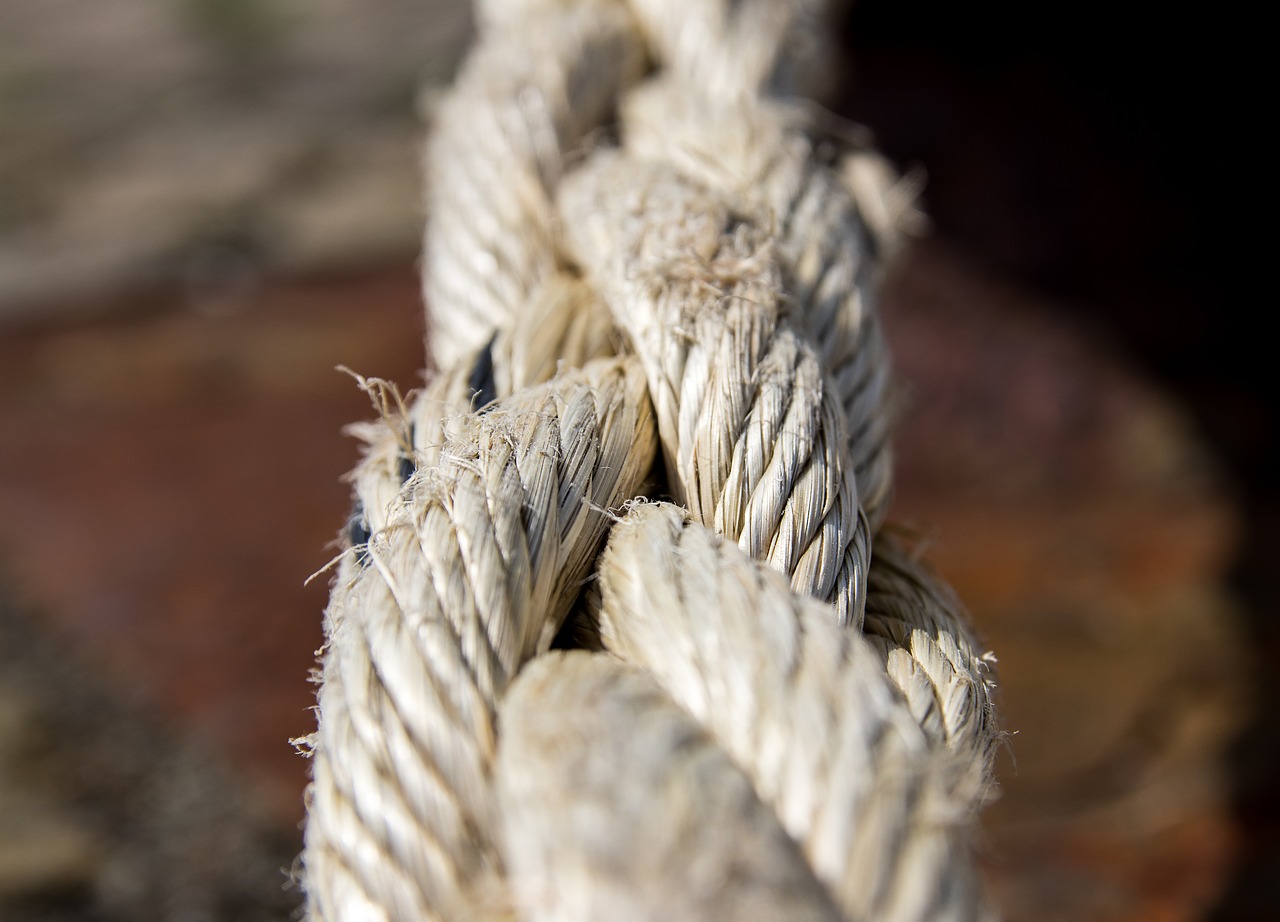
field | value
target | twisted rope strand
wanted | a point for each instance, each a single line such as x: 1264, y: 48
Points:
x: 543, y: 77
x: 752, y: 153
x: 565, y: 326
x: 616, y: 805
x: 740, y: 48
x: 802, y: 705
x: 752, y: 437
x: 931, y: 654
x: 472, y: 575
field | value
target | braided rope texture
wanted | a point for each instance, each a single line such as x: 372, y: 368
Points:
x: 658, y: 436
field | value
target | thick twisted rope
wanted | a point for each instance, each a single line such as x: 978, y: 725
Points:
x: 596, y: 825
x: 740, y: 748
x: 545, y: 76
x: 752, y: 435
x: 804, y: 706
x: 476, y: 566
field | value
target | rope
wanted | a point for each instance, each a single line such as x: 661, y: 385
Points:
x: 858, y: 787
x: 597, y: 825
x: 649, y: 275
x: 470, y: 575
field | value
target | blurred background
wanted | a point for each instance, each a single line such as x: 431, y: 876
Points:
x: 207, y: 205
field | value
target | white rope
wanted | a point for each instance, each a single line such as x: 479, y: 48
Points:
x: 704, y: 283
x: 476, y: 566
x: 597, y: 825
x: 545, y: 75
x: 804, y: 706
x: 752, y: 435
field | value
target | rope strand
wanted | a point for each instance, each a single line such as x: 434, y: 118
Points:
x: 801, y: 705
x: 472, y: 574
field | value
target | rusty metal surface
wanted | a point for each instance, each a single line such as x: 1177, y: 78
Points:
x: 173, y: 476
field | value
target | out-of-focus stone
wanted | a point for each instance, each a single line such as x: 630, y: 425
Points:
x: 41, y: 850
x: 138, y: 136
x: 41, y: 853
x: 104, y: 815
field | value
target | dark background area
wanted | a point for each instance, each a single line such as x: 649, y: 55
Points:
x: 1095, y: 154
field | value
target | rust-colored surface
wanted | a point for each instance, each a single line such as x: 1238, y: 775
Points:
x: 170, y: 479
x: 1089, y: 532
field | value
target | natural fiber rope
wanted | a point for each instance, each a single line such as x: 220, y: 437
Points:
x: 741, y: 750
x: 474, y: 570
x: 597, y: 825
x: 545, y: 75
x: 752, y: 435
x: 803, y: 706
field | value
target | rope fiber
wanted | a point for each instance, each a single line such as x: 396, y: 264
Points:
x: 658, y: 433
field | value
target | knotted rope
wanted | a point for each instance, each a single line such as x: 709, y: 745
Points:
x: 777, y: 711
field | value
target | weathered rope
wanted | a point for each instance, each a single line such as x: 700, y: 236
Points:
x: 753, y: 438
x: 914, y: 620
x: 804, y: 706
x: 596, y: 825
x: 545, y: 75
x: 791, y: 719
x: 472, y: 573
